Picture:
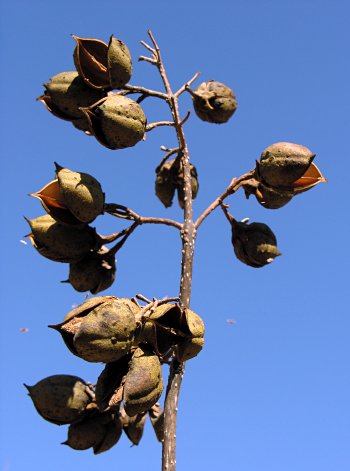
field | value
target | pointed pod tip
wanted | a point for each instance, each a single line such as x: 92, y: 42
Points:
x: 54, y: 327
x: 58, y: 167
x: 29, y: 388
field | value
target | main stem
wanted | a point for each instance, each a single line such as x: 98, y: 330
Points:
x: 188, y: 235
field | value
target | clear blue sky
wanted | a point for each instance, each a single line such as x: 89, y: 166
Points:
x: 270, y: 392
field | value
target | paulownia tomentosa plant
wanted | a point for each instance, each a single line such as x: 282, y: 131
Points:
x: 134, y: 337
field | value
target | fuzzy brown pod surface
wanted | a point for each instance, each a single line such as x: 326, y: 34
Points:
x: 117, y: 122
x: 143, y: 383
x: 61, y: 399
x: 62, y: 243
x: 284, y: 170
x: 73, y: 198
x: 65, y: 94
x: 214, y: 102
x: 101, y: 65
x: 170, y: 178
x: 100, y: 330
x: 97, y: 431
x: 94, y: 273
x: 254, y: 244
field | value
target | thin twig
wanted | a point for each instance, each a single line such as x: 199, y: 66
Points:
x: 147, y: 46
x: 235, y: 184
x: 170, y: 152
x: 145, y: 91
x: 187, y: 84
x: 123, y: 212
x: 148, y: 59
x: 127, y: 233
x: 152, y: 126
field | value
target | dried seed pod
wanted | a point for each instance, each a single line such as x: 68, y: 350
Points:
x: 98, y: 431
x: 272, y: 198
x: 143, y: 383
x: 170, y: 178
x: 166, y: 183
x: 62, y: 243
x: 254, y: 244
x: 284, y: 170
x: 100, y: 330
x: 65, y: 94
x: 133, y: 426
x: 194, y: 186
x: 73, y: 197
x: 110, y: 383
x: 61, y: 399
x: 94, y: 273
x: 119, y: 63
x: 116, y: 121
x: 100, y: 65
x: 214, y: 102
x: 169, y: 326
x: 156, y: 415
x: 283, y: 163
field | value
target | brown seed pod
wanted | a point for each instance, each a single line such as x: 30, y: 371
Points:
x: 110, y: 383
x: 143, y: 383
x: 94, y: 273
x: 98, y: 431
x: 100, y: 330
x: 73, y: 198
x: 117, y: 122
x: 102, y: 66
x: 214, y: 102
x: 133, y: 426
x: 65, y: 94
x: 156, y: 415
x: 254, y: 244
x: 60, y: 242
x: 61, y: 399
x: 283, y: 163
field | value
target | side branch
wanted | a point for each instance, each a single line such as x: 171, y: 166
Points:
x: 123, y: 212
x: 235, y: 184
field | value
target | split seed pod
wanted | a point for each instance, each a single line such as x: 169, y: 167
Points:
x: 97, y: 431
x: 61, y: 399
x: 283, y: 171
x: 133, y: 426
x: 214, y: 102
x: 170, y: 178
x: 116, y: 121
x: 110, y: 384
x: 62, y: 243
x: 73, y: 197
x: 169, y: 326
x: 100, y: 65
x: 254, y: 244
x: 65, y: 94
x: 94, y: 273
x: 156, y: 415
x: 100, y: 330
x: 143, y: 383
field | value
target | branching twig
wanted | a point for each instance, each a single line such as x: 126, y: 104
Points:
x: 151, y: 126
x: 123, y: 212
x: 187, y: 85
x: 235, y: 184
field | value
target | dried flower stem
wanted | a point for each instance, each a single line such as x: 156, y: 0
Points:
x: 188, y: 235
